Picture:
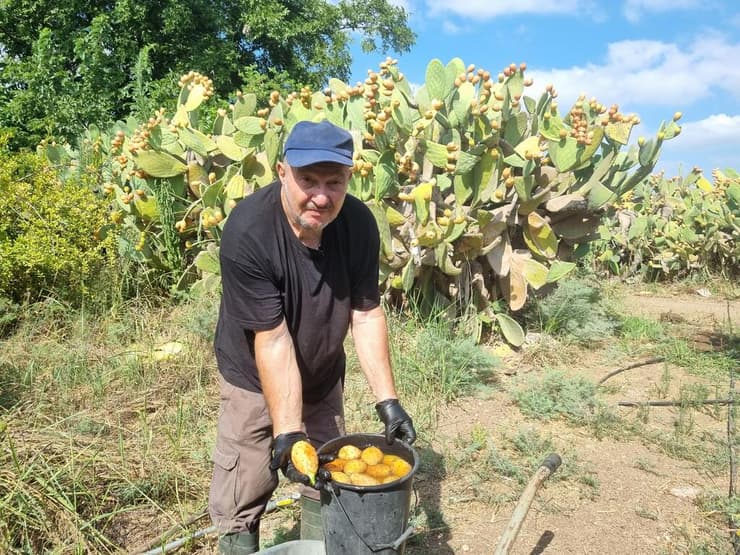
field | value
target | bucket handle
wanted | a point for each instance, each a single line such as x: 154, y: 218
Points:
x: 378, y: 546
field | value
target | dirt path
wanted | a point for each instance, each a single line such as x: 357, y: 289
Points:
x: 691, y: 308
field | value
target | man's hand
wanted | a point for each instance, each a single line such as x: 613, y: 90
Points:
x: 397, y: 422
x: 281, y: 447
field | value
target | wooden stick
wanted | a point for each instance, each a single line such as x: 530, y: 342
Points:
x: 630, y: 367
x: 548, y: 466
x: 676, y: 403
x: 731, y: 443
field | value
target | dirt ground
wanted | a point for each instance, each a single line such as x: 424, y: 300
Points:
x: 645, y: 501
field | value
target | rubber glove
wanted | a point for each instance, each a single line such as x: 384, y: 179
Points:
x: 281, y: 447
x: 398, y: 423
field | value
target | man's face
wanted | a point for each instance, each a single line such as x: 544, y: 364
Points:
x: 312, y: 196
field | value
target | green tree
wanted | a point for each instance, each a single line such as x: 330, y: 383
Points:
x: 64, y: 65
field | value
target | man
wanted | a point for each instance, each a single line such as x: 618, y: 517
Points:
x: 299, y: 268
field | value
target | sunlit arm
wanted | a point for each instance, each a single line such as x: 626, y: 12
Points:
x: 370, y: 336
x: 280, y: 378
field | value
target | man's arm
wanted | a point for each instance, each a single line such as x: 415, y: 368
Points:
x: 280, y: 378
x: 370, y: 336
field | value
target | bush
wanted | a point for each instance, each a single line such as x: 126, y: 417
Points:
x: 49, y: 242
x: 575, y: 310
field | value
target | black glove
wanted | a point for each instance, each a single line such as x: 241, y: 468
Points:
x: 281, y: 447
x: 397, y: 422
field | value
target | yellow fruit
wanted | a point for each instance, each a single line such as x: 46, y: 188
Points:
x: 305, y: 459
x: 389, y: 459
x: 355, y: 466
x: 349, y: 452
x: 372, y: 455
x: 362, y: 479
x: 400, y: 467
x: 337, y: 465
x: 388, y: 479
x: 339, y: 476
x: 378, y: 471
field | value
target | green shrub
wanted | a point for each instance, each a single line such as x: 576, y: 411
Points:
x: 574, y: 310
x: 49, y: 243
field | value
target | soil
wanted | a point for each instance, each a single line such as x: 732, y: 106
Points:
x: 614, y: 493
x: 638, y: 498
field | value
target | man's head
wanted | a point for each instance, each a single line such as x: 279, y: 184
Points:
x: 315, y: 172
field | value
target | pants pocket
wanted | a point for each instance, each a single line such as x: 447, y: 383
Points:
x: 223, y: 494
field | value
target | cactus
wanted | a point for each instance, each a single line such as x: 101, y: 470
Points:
x: 479, y: 191
x: 670, y: 227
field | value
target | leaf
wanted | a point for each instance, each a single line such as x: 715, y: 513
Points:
x: 196, y: 95
x: 510, y: 329
x: 499, y: 257
x: 465, y: 162
x: 159, y: 164
x: 385, y: 174
x: 514, y: 286
x: 197, y: 141
x: 559, y: 270
x: 619, y: 131
x: 207, y: 261
x: 236, y: 187
x: 540, y: 237
x: 229, y: 148
x: 250, y: 125
x: 535, y: 273
x: 530, y: 145
x: 435, y: 80
x: 436, y: 153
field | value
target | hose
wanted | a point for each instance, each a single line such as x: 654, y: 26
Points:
x: 178, y: 543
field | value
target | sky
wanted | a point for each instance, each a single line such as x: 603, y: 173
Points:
x: 651, y: 57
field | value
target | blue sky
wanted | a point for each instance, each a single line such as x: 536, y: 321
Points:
x: 652, y: 57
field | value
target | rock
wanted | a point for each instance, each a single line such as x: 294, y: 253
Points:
x: 686, y: 492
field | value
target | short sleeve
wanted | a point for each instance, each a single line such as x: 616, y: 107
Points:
x: 250, y: 295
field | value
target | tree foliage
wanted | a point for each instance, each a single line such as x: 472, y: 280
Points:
x: 67, y: 64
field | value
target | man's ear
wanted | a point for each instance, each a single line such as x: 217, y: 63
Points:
x: 280, y: 167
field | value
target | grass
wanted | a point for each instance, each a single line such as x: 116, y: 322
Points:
x: 100, y: 437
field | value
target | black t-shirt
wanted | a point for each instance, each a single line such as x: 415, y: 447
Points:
x: 268, y: 274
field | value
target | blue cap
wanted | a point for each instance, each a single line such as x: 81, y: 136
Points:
x: 313, y: 143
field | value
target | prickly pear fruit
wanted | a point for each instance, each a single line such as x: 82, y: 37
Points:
x: 305, y: 459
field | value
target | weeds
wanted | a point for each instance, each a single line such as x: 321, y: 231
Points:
x: 576, y: 310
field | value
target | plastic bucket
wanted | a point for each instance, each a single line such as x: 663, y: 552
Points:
x: 367, y: 520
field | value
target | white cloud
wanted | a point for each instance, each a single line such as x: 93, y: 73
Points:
x: 652, y: 73
x: 713, y: 142
x: 493, y: 8
x: 634, y: 9
x: 716, y: 130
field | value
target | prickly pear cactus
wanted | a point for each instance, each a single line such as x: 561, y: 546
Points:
x: 668, y: 228
x: 479, y: 191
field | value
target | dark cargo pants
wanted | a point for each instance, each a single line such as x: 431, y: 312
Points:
x: 242, y: 482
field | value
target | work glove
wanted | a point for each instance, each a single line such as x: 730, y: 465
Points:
x: 398, y: 424
x: 281, y: 447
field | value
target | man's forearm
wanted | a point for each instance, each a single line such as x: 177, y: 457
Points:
x: 370, y: 336
x: 280, y: 378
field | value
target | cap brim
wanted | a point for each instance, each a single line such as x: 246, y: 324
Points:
x: 302, y: 158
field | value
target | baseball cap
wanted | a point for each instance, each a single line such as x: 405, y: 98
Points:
x: 313, y: 143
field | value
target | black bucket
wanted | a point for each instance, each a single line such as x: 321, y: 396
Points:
x: 368, y: 520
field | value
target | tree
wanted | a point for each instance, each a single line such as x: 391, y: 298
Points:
x: 64, y: 65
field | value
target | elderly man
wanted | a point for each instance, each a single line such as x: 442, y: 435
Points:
x: 299, y: 267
